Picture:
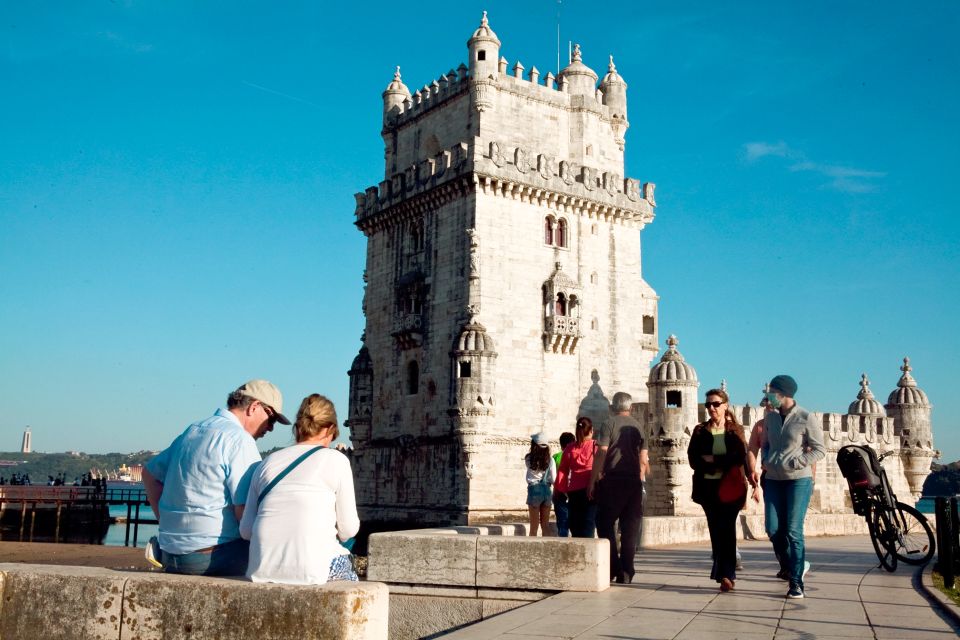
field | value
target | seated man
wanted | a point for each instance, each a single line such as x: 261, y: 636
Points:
x: 198, y: 485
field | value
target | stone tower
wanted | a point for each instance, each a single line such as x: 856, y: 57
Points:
x: 504, y: 287
x: 910, y: 409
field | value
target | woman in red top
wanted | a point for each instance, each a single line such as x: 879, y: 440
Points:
x: 576, y: 465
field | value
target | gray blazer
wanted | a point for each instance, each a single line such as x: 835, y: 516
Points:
x: 790, y: 448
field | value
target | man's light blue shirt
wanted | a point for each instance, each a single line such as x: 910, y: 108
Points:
x: 205, y: 472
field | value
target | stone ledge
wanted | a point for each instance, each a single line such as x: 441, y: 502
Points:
x: 446, y: 557
x: 53, y: 602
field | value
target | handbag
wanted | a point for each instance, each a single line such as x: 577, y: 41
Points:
x: 733, y: 486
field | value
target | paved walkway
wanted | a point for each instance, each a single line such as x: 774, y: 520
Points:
x: 673, y: 597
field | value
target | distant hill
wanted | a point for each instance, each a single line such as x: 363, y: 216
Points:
x: 944, y: 480
x: 72, y: 465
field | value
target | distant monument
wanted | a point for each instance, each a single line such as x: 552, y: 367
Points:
x: 26, y: 446
x: 504, y: 296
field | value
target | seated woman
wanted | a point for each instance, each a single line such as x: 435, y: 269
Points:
x: 301, y: 501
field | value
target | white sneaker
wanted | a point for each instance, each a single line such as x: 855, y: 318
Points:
x: 806, y: 568
x: 739, y: 564
x: 152, y: 553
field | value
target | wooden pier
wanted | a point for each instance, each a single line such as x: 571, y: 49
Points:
x: 31, y: 513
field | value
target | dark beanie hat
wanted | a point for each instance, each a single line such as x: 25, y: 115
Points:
x: 784, y: 384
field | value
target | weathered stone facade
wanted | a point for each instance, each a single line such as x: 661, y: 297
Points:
x: 503, y: 283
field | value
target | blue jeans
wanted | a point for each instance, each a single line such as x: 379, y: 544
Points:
x: 228, y: 559
x: 785, y: 505
x: 562, y: 509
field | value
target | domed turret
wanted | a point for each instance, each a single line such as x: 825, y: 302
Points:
x: 866, y: 404
x: 579, y: 79
x: 907, y: 391
x: 394, y: 96
x: 360, y: 407
x: 672, y: 368
x: 484, y: 48
x: 614, y: 92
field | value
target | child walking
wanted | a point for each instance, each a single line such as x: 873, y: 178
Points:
x: 541, y: 473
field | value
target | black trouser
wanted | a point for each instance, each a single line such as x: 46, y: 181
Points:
x: 583, y: 514
x: 620, y: 498
x: 722, y: 523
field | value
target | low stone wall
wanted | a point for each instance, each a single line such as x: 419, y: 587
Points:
x: 667, y: 530
x: 76, y: 603
x: 449, y: 577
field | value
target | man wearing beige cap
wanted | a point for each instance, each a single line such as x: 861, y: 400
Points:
x: 198, y: 485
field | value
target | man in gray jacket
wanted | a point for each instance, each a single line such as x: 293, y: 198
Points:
x: 792, y: 444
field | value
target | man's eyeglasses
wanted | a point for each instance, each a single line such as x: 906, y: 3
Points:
x: 271, y: 414
x: 712, y: 405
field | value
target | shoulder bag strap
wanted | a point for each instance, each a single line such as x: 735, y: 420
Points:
x: 283, y: 474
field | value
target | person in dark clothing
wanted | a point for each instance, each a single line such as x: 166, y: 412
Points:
x: 718, y: 449
x: 616, y: 483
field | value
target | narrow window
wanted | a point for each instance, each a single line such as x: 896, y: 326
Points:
x: 594, y: 278
x: 464, y: 369
x: 674, y: 399
x: 593, y: 324
x: 562, y: 233
x: 481, y: 55
x: 413, y: 378
x: 648, y: 325
x: 561, y: 307
x: 589, y: 149
x: 593, y: 229
x: 548, y: 230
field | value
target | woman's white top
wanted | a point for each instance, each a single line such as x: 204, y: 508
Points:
x: 534, y: 477
x: 293, y: 534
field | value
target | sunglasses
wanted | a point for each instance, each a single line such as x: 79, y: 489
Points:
x: 712, y: 405
x: 271, y: 414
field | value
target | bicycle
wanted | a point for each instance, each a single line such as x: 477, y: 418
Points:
x: 898, y: 531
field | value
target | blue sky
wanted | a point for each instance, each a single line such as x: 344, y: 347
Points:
x: 177, y: 180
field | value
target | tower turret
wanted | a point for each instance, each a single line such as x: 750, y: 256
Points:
x: 865, y: 404
x: 672, y: 415
x: 360, y: 406
x: 394, y: 96
x: 484, y: 48
x: 910, y: 410
x: 578, y: 79
x: 614, y: 91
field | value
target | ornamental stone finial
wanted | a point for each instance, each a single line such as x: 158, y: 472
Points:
x: 612, y: 68
x: 906, y: 380
x: 576, y: 53
x: 396, y: 74
x: 865, y: 392
x: 723, y: 381
x: 483, y: 20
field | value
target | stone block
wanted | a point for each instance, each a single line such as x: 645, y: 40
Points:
x: 54, y: 603
x: 415, y: 616
x: 552, y: 564
x: 178, y: 607
x: 423, y: 558
x: 80, y: 603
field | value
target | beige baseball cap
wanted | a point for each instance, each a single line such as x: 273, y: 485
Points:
x: 267, y: 393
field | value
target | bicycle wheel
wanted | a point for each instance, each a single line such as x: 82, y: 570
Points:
x: 914, y: 542
x: 881, y: 535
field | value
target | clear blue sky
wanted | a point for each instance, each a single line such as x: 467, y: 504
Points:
x: 177, y: 180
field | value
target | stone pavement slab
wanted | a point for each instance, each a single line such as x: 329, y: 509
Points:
x: 672, y: 598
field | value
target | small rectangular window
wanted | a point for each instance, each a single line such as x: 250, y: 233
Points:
x: 648, y: 327
x: 464, y: 369
x: 674, y: 399
x: 481, y: 55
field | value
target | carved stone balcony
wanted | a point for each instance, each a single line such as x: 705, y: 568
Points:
x: 408, y: 330
x: 561, y: 334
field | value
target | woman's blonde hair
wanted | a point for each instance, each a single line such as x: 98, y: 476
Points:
x: 315, y: 414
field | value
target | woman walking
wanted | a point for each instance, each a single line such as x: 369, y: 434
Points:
x: 576, y: 464
x: 717, y: 453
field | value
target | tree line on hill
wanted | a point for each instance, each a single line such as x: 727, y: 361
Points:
x: 944, y: 480
x: 41, y: 466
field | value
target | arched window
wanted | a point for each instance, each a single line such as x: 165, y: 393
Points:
x: 416, y: 236
x: 561, y: 233
x: 561, y: 306
x: 413, y: 378
x: 548, y: 230
x: 572, y: 309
